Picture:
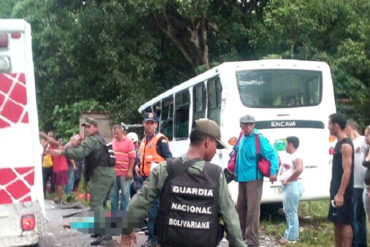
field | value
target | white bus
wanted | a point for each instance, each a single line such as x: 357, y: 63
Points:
x: 22, y: 214
x: 287, y: 98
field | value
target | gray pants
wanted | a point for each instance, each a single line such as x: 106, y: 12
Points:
x: 248, y: 208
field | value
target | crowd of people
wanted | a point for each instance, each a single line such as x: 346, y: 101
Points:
x: 186, y: 197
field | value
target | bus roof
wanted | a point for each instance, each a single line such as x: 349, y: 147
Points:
x: 253, y: 64
x: 13, y: 25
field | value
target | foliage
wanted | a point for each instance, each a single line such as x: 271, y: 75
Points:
x: 120, y: 54
x: 66, y: 118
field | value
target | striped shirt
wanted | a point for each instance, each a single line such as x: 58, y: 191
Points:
x: 124, y: 151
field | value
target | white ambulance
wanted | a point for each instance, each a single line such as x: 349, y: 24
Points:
x: 22, y: 211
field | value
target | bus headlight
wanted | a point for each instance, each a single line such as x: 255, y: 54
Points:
x: 5, y: 65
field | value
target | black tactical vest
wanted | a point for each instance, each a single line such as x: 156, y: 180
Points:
x: 188, y: 213
x: 95, y: 158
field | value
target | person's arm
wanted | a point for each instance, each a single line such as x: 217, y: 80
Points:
x: 347, y: 151
x: 163, y: 148
x: 131, y: 159
x: 50, y: 139
x: 270, y: 154
x: 142, y: 201
x: 86, y: 147
x: 298, y: 169
x: 229, y: 215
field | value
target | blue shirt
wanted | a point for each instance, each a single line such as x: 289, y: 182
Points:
x: 246, y: 159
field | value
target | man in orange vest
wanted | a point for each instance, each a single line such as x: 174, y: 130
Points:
x: 153, y: 150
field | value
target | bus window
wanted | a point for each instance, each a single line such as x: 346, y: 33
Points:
x: 199, y: 101
x: 278, y: 88
x: 148, y: 109
x: 182, y: 103
x: 157, y: 110
x: 166, y: 124
x: 214, y: 90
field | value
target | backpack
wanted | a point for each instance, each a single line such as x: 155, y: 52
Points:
x: 108, y: 156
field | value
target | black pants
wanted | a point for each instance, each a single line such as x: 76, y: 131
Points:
x: 46, y: 174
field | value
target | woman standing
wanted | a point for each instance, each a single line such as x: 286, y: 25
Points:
x: 291, y: 169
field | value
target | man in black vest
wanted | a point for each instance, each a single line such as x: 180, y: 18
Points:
x: 193, y: 196
x: 101, y: 174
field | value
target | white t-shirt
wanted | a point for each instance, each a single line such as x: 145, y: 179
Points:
x: 359, y: 170
x: 287, y: 165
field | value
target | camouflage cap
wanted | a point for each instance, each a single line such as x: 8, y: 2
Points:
x: 209, y: 128
x: 88, y: 121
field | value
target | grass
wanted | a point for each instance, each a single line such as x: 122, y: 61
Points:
x: 314, y: 228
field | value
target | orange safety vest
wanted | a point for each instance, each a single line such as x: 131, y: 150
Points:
x: 149, y: 154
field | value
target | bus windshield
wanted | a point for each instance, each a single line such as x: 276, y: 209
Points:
x: 279, y: 88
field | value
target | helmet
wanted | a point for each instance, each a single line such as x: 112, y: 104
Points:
x: 133, y: 136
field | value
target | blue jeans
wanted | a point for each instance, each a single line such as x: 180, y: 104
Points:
x: 359, y: 219
x: 292, y: 192
x: 122, y: 184
x: 69, y: 187
x: 152, y: 215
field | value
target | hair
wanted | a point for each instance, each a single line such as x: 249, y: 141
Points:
x: 197, y: 137
x: 338, y: 118
x: 52, y: 132
x: 293, y: 140
x: 119, y: 127
x: 353, y: 124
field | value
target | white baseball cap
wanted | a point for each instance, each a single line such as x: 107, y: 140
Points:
x: 133, y: 136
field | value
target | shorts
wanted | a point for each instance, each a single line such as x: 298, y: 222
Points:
x: 60, y: 177
x: 342, y: 215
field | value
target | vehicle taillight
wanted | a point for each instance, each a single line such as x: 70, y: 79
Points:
x: 15, y: 35
x: 28, y: 222
x: 232, y: 141
x: 3, y: 40
x: 331, y: 151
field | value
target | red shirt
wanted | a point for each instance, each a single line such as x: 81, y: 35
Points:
x: 59, y: 162
x: 124, y: 151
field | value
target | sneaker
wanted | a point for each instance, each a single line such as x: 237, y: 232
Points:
x: 283, y: 241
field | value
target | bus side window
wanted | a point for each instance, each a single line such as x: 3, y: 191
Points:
x: 199, y: 101
x: 182, y: 103
x: 157, y: 110
x: 214, y: 90
x: 166, y: 123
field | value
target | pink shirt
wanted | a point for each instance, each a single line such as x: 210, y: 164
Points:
x: 124, y: 151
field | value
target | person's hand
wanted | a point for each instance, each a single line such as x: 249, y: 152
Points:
x: 285, y: 182
x: 129, y: 174
x: 272, y: 178
x: 128, y: 240
x: 43, y: 134
x: 339, y: 200
x: 138, y: 171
